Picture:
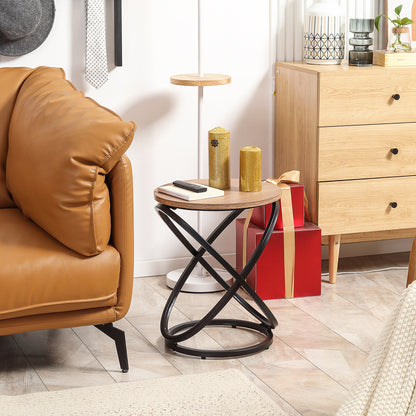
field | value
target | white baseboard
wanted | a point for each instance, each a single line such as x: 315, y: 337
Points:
x: 163, y: 266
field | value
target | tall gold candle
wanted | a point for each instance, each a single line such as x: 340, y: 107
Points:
x: 250, y: 169
x: 219, y: 158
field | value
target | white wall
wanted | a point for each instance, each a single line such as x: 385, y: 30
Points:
x: 160, y: 39
x: 239, y: 37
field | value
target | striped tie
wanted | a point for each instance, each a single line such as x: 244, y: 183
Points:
x: 96, y: 70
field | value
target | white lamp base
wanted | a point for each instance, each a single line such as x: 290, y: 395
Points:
x: 197, y: 283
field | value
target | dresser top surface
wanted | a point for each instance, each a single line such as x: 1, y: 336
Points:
x: 340, y: 69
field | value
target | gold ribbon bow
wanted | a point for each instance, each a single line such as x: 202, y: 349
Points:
x: 291, y: 176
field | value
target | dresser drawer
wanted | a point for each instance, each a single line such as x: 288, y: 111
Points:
x: 353, y: 152
x: 364, y: 205
x: 364, y: 96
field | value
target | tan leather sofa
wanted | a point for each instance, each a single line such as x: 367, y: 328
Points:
x: 66, y: 214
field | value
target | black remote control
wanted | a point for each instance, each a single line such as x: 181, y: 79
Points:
x: 190, y: 186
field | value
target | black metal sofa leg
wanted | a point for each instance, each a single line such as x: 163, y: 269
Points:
x: 120, y: 339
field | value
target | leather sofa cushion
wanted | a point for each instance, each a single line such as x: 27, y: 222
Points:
x: 39, y: 275
x: 61, y: 145
x: 10, y: 81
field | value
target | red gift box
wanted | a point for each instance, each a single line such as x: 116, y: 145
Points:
x: 267, y: 277
x: 261, y: 215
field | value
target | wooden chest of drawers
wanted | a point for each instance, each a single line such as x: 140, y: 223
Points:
x: 352, y: 134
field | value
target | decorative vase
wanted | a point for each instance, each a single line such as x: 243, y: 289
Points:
x: 400, y: 39
x: 324, y: 33
x: 361, y: 55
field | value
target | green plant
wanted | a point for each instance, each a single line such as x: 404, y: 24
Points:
x: 398, y: 22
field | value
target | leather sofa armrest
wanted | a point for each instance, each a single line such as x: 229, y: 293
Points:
x: 120, y: 184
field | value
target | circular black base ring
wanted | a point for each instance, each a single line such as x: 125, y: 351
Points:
x: 237, y: 352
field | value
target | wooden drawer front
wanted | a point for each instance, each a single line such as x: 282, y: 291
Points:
x: 354, y: 152
x: 364, y: 205
x: 365, y: 97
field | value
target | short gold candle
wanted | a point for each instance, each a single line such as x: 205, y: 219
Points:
x: 219, y: 158
x: 250, y: 169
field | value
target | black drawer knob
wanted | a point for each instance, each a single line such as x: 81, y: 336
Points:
x: 393, y: 204
x: 394, y: 150
x: 396, y: 96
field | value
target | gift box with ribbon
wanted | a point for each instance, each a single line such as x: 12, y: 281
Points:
x: 261, y: 215
x: 288, y: 182
x: 287, y: 250
x: 280, y: 273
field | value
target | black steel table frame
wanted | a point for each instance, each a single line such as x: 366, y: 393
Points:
x: 181, y: 332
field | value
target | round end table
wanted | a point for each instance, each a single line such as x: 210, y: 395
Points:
x: 235, y: 202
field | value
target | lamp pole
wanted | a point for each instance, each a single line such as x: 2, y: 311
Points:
x: 199, y: 280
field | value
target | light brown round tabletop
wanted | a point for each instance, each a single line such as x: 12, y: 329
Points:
x: 195, y: 80
x: 232, y: 199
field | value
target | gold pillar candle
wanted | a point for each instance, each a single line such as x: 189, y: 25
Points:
x: 250, y: 169
x: 219, y: 158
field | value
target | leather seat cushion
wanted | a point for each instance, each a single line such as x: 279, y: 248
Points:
x: 39, y: 275
x: 10, y: 81
x: 61, y: 146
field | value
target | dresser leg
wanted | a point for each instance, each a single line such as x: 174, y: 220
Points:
x: 411, y: 273
x: 333, y: 246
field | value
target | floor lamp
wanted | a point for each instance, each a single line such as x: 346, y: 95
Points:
x: 199, y: 280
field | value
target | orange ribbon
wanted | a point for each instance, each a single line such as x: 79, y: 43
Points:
x: 288, y: 227
x: 292, y: 176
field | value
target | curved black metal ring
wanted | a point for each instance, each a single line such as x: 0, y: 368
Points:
x: 189, y: 329
x: 204, y: 321
x: 269, y: 320
x: 235, y: 352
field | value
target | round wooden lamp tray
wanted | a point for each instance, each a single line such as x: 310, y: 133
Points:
x: 195, y: 80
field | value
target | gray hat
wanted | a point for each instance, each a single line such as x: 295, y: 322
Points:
x: 24, y: 25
